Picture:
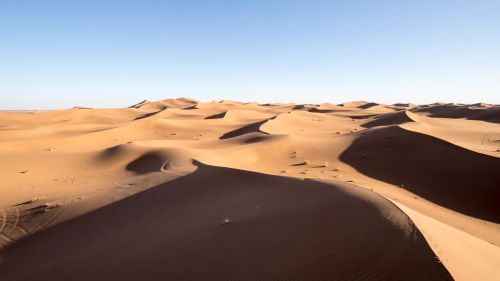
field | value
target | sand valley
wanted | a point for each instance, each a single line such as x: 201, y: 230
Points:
x: 179, y: 189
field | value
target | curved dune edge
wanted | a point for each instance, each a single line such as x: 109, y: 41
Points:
x: 477, y: 136
x: 484, y: 112
x: 465, y: 256
x: 89, y: 158
x: 227, y: 224
x: 429, y: 167
x: 392, y: 118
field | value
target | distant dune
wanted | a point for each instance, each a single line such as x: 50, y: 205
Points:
x: 185, y: 190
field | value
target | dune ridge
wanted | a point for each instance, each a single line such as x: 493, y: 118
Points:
x: 286, y: 228
x: 181, y: 180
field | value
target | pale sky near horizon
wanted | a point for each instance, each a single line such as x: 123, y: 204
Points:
x: 58, y: 54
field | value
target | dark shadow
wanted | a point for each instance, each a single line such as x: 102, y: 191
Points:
x: 23, y: 203
x: 362, y: 116
x: 279, y: 229
x: 393, y: 118
x: 148, y: 115
x: 368, y: 105
x: 298, y: 106
x: 147, y: 163
x: 299, y: 164
x: 316, y: 110
x: 402, y: 104
x: 443, y: 173
x: 217, y: 116
x: 490, y: 114
x: 251, y: 128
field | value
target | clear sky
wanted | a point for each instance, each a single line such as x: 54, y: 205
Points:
x: 56, y: 54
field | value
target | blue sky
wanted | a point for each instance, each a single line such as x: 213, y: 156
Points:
x: 57, y: 54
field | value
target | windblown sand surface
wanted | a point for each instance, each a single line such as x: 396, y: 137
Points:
x: 185, y: 190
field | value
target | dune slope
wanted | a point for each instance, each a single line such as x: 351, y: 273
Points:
x: 277, y: 229
x: 430, y: 167
x: 287, y: 192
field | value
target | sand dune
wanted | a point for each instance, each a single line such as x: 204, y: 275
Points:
x: 394, y: 118
x: 431, y: 168
x: 453, y: 243
x: 113, y: 194
x: 474, y: 112
x: 232, y: 225
x: 478, y: 136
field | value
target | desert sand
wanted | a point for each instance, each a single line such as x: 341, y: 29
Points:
x: 180, y: 189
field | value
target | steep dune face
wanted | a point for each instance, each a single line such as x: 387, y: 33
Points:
x: 431, y: 168
x: 394, y: 118
x: 484, y: 113
x: 478, y: 136
x: 224, y: 224
x: 295, y: 209
x: 251, y: 128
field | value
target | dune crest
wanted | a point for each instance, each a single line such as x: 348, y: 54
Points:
x: 234, y: 212
x: 179, y: 188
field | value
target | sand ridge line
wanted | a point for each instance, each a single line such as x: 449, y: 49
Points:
x: 465, y: 256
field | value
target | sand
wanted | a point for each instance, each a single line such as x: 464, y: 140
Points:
x: 185, y: 190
